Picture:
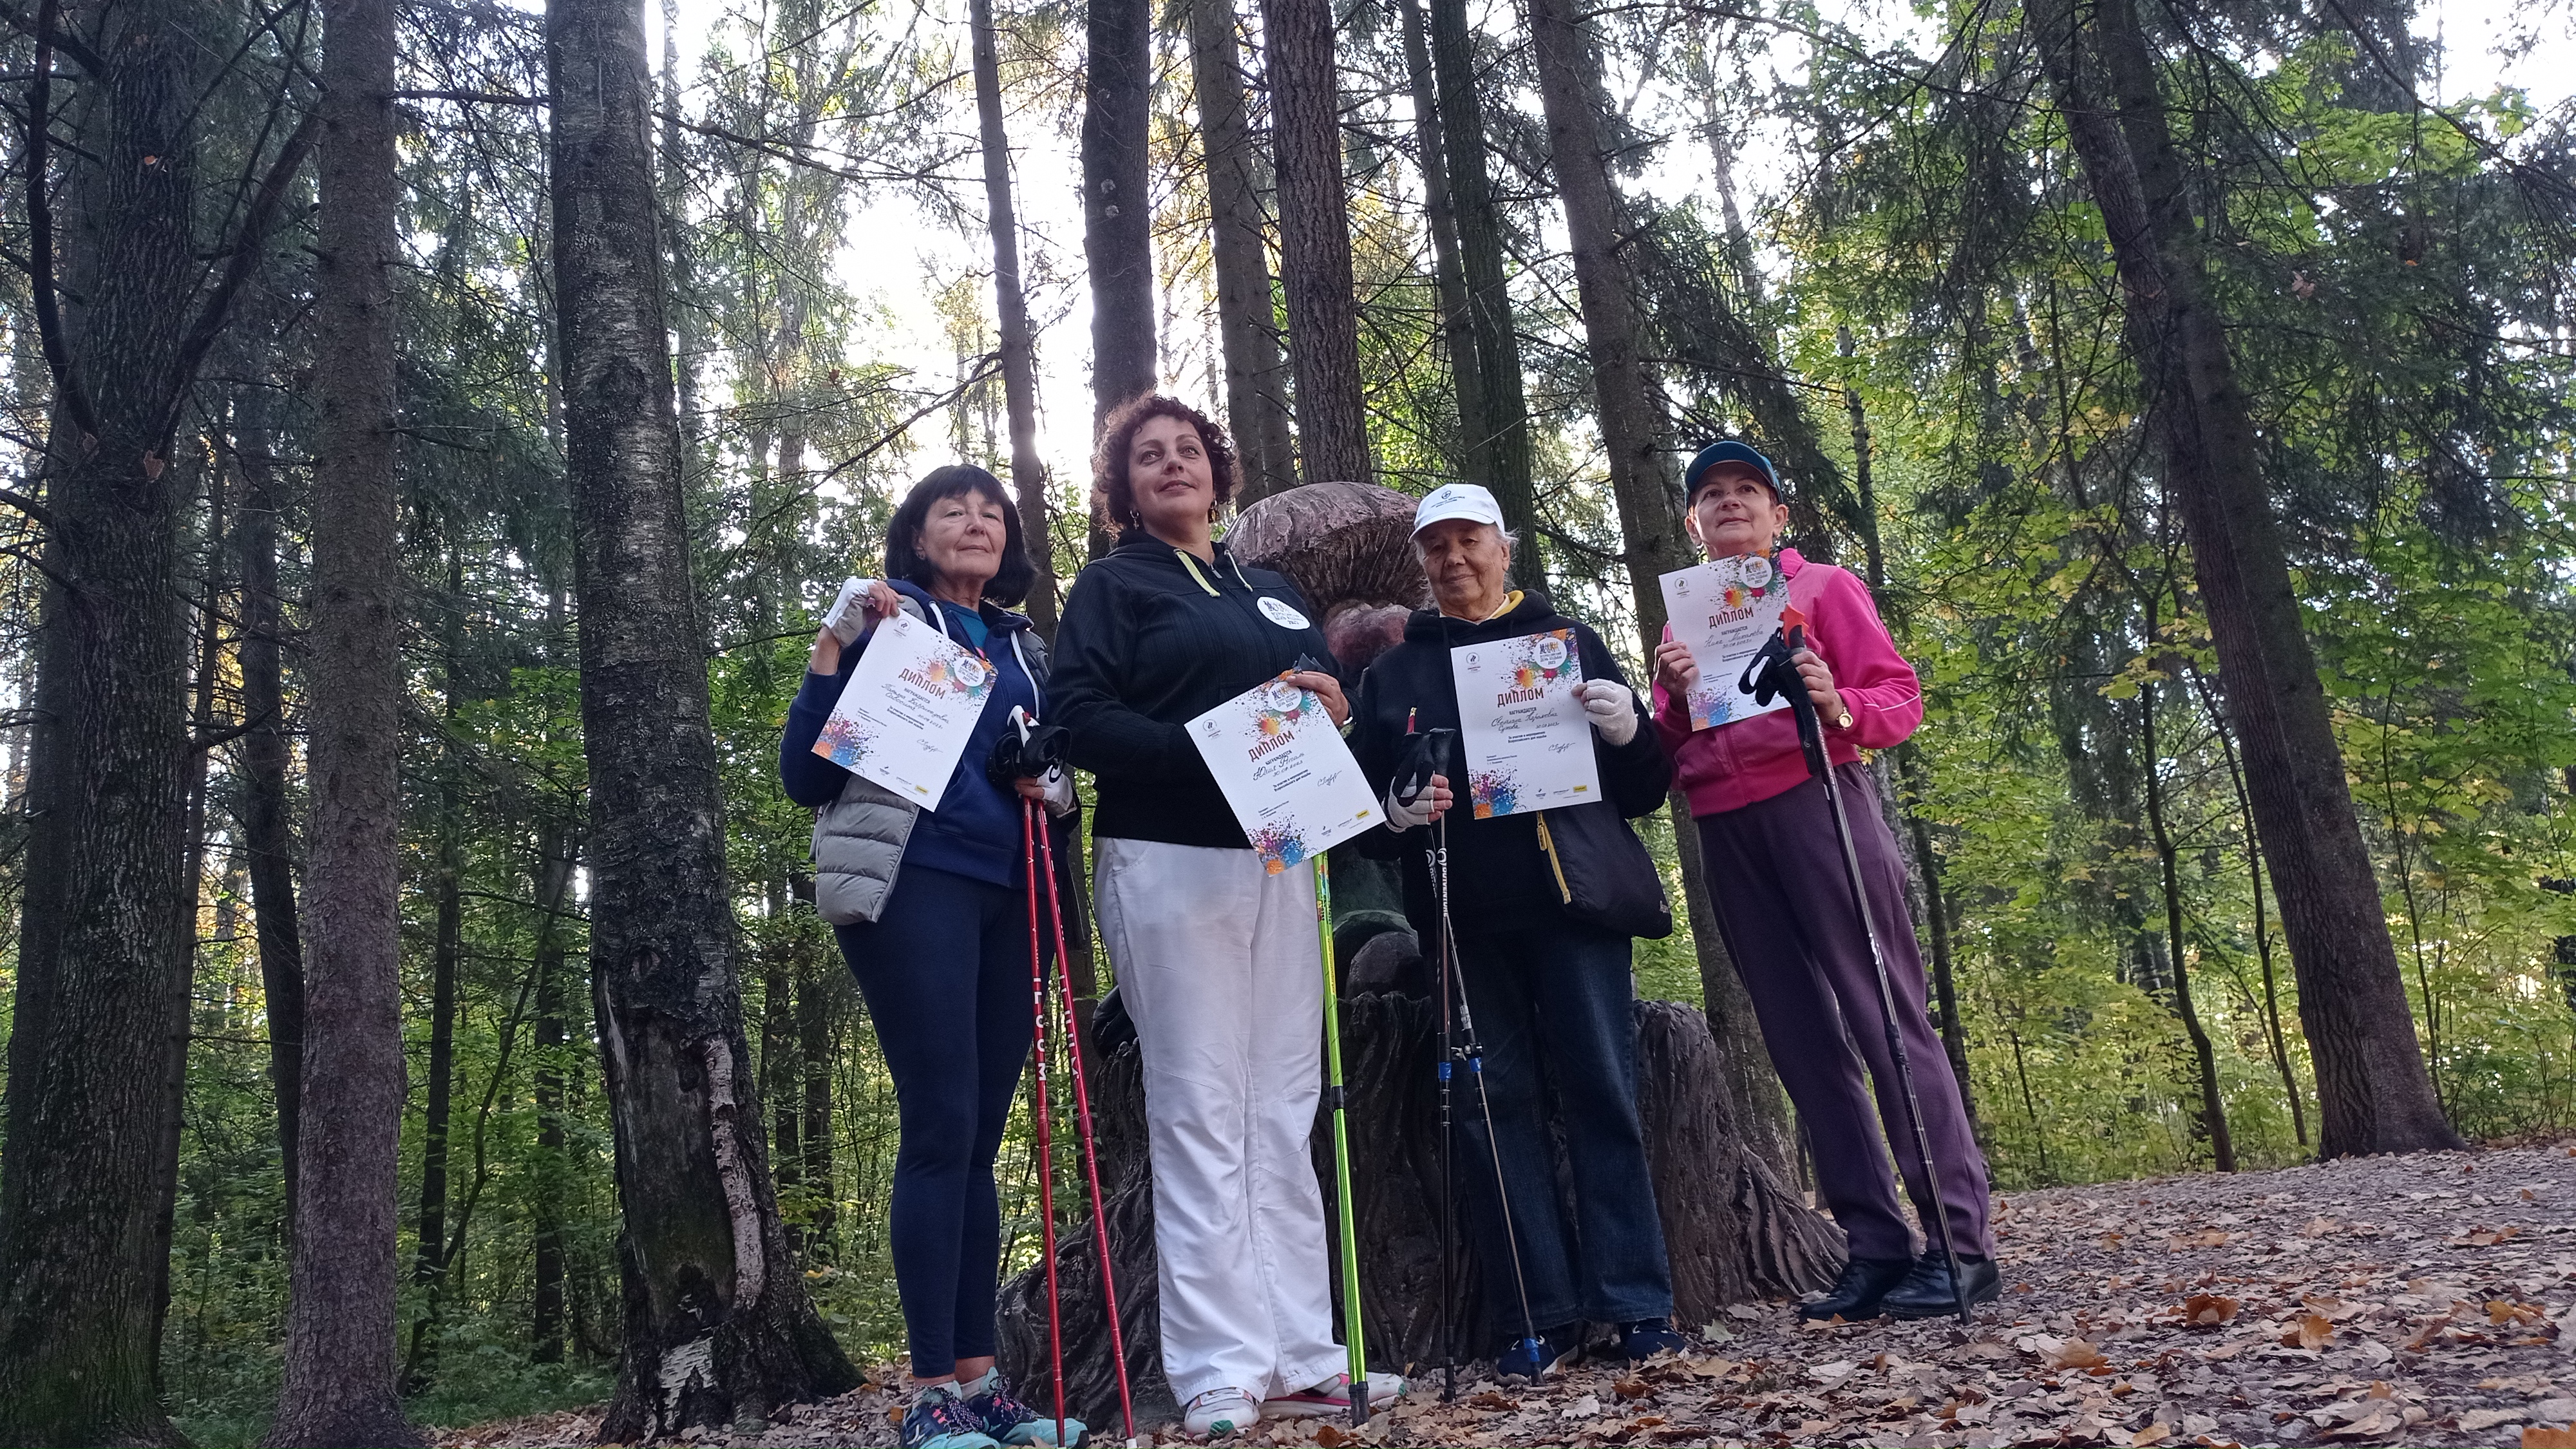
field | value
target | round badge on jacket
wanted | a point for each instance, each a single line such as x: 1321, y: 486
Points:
x: 1282, y: 614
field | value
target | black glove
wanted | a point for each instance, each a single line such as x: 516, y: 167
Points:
x: 1428, y: 756
x: 1016, y: 759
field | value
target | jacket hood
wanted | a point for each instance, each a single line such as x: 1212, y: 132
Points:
x: 1528, y: 614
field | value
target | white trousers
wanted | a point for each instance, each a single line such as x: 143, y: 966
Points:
x: 1218, y: 963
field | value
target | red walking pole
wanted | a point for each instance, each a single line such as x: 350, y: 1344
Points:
x: 1082, y: 1117
x: 1046, y: 1138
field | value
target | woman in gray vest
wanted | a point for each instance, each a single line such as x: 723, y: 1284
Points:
x: 931, y: 916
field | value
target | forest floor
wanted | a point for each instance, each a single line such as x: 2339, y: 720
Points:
x: 2428, y: 1299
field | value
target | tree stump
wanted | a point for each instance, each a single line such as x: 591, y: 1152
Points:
x: 1733, y: 1231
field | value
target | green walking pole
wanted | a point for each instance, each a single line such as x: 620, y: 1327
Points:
x: 1351, y: 1327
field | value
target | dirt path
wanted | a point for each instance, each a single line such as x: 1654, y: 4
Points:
x: 2394, y: 1300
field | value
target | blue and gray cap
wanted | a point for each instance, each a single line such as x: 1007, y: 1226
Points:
x: 1728, y: 450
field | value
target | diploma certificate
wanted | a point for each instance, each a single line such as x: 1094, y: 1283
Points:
x: 1293, y: 785
x: 1528, y: 741
x: 903, y: 718
x: 1724, y: 611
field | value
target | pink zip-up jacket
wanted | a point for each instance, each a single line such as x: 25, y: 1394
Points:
x: 1740, y: 764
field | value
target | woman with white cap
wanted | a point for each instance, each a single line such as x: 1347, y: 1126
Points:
x: 1546, y: 907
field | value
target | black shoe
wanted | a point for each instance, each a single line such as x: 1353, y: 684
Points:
x: 1536, y: 1358
x: 1926, y: 1291
x: 1647, y: 1337
x: 1856, y: 1294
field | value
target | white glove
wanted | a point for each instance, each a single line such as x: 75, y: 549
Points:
x: 1059, y: 792
x: 1613, y: 707
x: 1400, y: 816
x: 848, y: 617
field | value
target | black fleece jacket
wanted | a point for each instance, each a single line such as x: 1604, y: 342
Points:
x: 1498, y: 870
x: 1152, y: 639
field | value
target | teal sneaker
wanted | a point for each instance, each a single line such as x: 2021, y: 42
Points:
x: 939, y: 1419
x: 1013, y: 1422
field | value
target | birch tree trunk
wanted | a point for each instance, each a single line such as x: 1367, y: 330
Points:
x: 717, y: 1322
x: 1315, y: 241
x: 1256, y: 380
x: 2373, y: 1093
x: 339, y: 1372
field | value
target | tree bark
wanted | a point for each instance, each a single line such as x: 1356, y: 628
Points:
x: 339, y: 1372
x: 429, y: 1223
x: 2213, y: 1108
x: 1315, y: 241
x: 553, y: 1168
x: 1498, y: 444
x: 814, y: 1058
x: 1011, y: 305
x: 1117, y: 209
x: 1256, y: 380
x: 88, y: 1170
x: 267, y: 837
x: 1440, y: 211
x: 2372, y: 1088
x: 717, y: 1322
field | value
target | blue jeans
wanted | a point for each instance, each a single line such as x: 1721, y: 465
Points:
x: 1554, y: 1006
x: 945, y: 970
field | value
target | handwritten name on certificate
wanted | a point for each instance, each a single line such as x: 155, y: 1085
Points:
x: 1294, y: 787
x: 903, y: 718
x: 1724, y: 611
x: 1528, y: 742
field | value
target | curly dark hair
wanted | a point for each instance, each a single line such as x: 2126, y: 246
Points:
x: 1118, y: 433
x: 903, y: 535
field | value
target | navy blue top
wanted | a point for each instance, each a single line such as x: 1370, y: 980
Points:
x: 975, y: 831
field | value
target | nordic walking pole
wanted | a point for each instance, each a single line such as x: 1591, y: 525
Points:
x: 1090, y: 1146
x: 1474, y: 1053
x: 1412, y: 777
x: 1779, y: 676
x: 1046, y: 1150
x: 1352, y: 1327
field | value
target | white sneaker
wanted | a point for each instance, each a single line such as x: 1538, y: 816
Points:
x: 1220, y: 1412
x: 1333, y: 1396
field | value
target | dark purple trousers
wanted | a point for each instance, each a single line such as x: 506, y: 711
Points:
x: 1775, y: 874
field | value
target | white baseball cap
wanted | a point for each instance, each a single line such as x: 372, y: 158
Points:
x: 1470, y: 501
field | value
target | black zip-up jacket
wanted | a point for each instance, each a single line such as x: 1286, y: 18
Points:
x: 1500, y: 869
x: 1153, y: 638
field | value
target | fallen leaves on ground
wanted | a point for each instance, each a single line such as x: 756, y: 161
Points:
x: 2387, y: 1300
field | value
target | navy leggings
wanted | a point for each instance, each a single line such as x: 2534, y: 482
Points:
x: 945, y: 970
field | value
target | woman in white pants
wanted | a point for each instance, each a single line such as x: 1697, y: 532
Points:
x: 1217, y: 960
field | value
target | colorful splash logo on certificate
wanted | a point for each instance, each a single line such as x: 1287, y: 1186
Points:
x: 1276, y: 712
x: 1541, y: 660
x: 845, y: 741
x: 1493, y: 792
x: 1280, y: 846
x: 965, y: 674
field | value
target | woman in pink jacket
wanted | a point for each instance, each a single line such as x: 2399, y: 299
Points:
x: 1775, y: 876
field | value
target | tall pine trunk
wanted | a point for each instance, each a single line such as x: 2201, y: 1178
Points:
x: 1633, y: 427
x: 1256, y: 380
x: 553, y: 1168
x: 2373, y: 1092
x: 717, y: 1321
x: 87, y: 1174
x: 267, y: 837
x: 339, y: 1372
x: 1315, y: 241
x: 1439, y: 209
x: 1117, y: 212
x: 1011, y: 306
x: 1498, y: 441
